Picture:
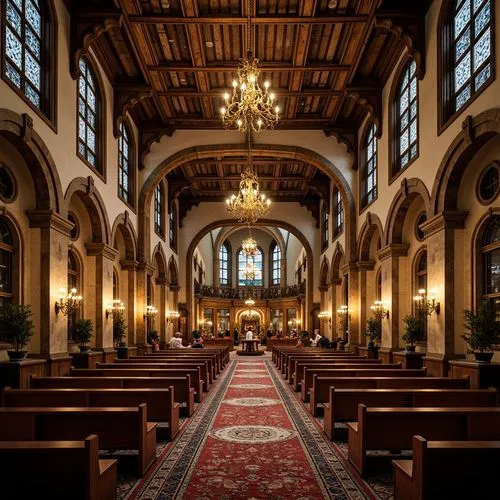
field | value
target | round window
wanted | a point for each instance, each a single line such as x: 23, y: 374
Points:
x: 420, y: 220
x: 75, y: 232
x: 7, y: 184
x: 489, y: 183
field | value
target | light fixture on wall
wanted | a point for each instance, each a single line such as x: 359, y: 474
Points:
x: 344, y: 316
x: 115, y: 307
x: 68, y: 301
x: 171, y: 316
x: 379, y: 310
x: 151, y: 312
x: 426, y: 304
x: 325, y: 316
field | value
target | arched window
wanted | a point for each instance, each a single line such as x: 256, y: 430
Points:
x: 224, y: 256
x: 257, y: 262
x: 74, y: 281
x: 159, y: 210
x: 90, y: 127
x: 116, y: 285
x: 491, y: 265
x: 378, y: 285
x: 405, y: 118
x: 275, y: 264
x: 6, y: 264
x: 172, y: 227
x: 467, y: 65
x: 338, y: 212
x: 29, y: 52
x: 369, y: 170
x: 126, y: 175
x: 421, y: 284
x: 325, y: 220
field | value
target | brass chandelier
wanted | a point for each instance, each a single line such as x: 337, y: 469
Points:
x: 249, y: 271
x: 249, y: 245
x: 249, y: 107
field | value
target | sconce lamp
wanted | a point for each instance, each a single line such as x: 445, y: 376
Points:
x: 68, y: 302
x: 343, y: 311
x: 151, y: 312
x: 426, y: 304
x: 116, y: 306
x: 325, y: 316
x: 379, y: 310
x: 171, y: 316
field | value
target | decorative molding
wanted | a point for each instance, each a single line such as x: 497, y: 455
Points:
x: 468, y: 130
x: 393, y: 251
x: 48, y: 219
x: 123, y: 101
x: 443, y: 221
x: 27, y: 128
x: 147, y: 139
x: 365, y: 265
x: 370, y: 98
x: 89, y: 189
x: 347, y: 137
x: 101, y: 250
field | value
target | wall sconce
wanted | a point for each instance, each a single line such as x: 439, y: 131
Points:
x: 171, y: 316
x: 343, y: 311
x: 379, y: 310
x: 426, y: 304
x: 68, y: 302
x: 116, y: 306
x: 151, y: 312
x: 324, y: 316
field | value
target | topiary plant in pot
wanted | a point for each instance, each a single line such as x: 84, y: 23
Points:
x: 373, y: 331
x: 83, y: 331
x: 412, y: 333
x: 119, y: 327
x: 483, y: 332
x: 17, y: 329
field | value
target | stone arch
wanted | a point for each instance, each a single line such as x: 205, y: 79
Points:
x: 324, y: 273
x: 160, y: 260
x: 476, y: 132
x: 92, y: 199
x: 173, y: 273
x: 203, y: 152
x: 122, y: 223
x: 371, y: 226
x: 337, y: 263
x: 410, y: 190
x: 18, y: 130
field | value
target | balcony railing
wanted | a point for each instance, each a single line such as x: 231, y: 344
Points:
x: 243, y: 293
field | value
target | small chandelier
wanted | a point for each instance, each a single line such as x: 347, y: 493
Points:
x: 249, y: 271
x: 249, y: 107
x: 171, y: 316
x: 249, y: 303
x: 249, y: 246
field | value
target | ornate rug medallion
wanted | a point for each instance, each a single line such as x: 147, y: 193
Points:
x: 251, y: 386
x: 252, y: 402
x: 257, y: 375
x: 253, y: 434
x: 251, y: 371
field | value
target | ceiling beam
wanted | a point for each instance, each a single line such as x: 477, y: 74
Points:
x: 180, y: 92
x: 238, y: 20
x: 194, y: 123
x: 233, y: 65
x: 236, y: 178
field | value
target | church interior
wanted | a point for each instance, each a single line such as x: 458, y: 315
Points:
x: 249, y: 249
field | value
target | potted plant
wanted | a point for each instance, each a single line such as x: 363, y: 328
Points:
x: 83, y: 331
x: 17, y: 327
x: 373, y: 331
x: 412, y: 333
x: 119, y: 327
x: 483, y: 332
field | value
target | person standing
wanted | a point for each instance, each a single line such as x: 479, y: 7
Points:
x: 236, y: 336
x: 249, y: 334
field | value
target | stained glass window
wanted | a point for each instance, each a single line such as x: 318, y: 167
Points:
x: 172, y: 226
x: 125, y: 176
x: 471, y: 49
x: 407, y: 117
x: 6, y: 258
x: 276, y: 265
x: 491, y: 263
x: 338, y: 212
x: 256, y: 260
x: 224, y: 265
x: 24, y: 40
x: 325, y: 223
x: 88, y: 115
x: 159, y: 205
x: 369, y: 181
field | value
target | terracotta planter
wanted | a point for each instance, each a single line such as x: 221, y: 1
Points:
x: 84, y: 348
x: 410, y: 348
x: 483, y: 357
x: 17, y: 355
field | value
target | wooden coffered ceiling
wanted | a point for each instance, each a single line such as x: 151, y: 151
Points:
x: 170, y: 60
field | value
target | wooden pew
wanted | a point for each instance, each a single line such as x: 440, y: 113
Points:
x: 343, y: 403
x: 393, y: 428
x: 214, y: 362
x: 380, y: 371
x: 319, y: 393
x: 194, y: 373
x: 61, y: 469
x: 221, y: 354
x: 282, y: 354
x: 118, y: 428
x: 183, y: 393
x: 448, y: 469
x: 286, y: 357
x: 160, y: 402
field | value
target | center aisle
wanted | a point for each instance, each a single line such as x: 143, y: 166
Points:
x: 251, y: 438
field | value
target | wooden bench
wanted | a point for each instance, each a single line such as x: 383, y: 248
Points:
x: 319, y: 393
x: 194, y: 375
x: 61, y: 469
x: 448, y: 469
x: 215, y: 366
x: 343, y: 403
x: 309, y: 373
x: 160, y: 402
x: 287, y: 357
x: 221, y: 355
x: 282, y: 355
x: 183, y: 393
x: 117, y: 428
x: 393, y: 429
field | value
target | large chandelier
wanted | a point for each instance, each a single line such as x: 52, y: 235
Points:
x: 249, y: 245
x: 249, y: 107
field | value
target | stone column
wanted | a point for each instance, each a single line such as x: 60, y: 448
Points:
x: 440, y: 239
x: 363, y: 268
x: 351, y: 270
x: 161, y: 316
x: 130, y: 307
x: 389, y: 264
x: 143, y: 270
x: 104, y: 256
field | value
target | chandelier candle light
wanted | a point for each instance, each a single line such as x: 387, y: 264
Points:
x: 171, y: 316
x: 68, y: 301
x: 117, y: 306
x: 379, y: 310
x: 426, y: 305
x: 249, y: 245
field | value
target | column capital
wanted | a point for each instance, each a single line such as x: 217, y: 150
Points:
x: 393, y: 250
x: 444, y: 220
x: 101, y: 250
x: 350, y: 267
x: 365, y: 265
x: 48, y: 219
x: 148, y: 268
x: 129, y: 265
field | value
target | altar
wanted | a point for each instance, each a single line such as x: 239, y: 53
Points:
x: 250, y: 348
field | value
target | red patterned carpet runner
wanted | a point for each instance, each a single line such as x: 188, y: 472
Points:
x: 251, y: 439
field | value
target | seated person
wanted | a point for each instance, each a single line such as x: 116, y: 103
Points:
x: 299, y: 344
x: 197, y: 344
x: 316, y: 339
x: 154, y: 340
x: 324, y: 342
x: 176, y: 341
